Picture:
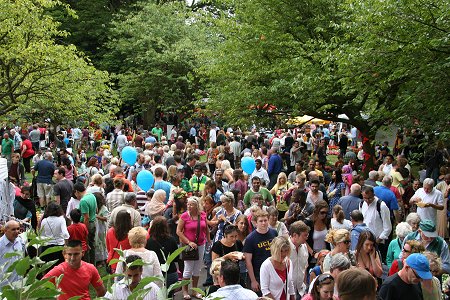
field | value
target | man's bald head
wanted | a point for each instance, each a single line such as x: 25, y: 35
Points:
x: 355, y: 189
x: 12, y: 230
x: 313, y: 175
x: 11, y: 223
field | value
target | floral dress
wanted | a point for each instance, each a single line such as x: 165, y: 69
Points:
x: 337, y: 195
x: 101, y: 253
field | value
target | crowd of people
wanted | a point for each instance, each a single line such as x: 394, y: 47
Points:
x: 293, y: 227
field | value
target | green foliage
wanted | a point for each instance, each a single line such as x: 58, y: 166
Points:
x: 38, y: 75
x: 373, y: 61
x: 152, y: 49
x: 30, y: 287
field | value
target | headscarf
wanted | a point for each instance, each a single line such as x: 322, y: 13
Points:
x: 156, y: 205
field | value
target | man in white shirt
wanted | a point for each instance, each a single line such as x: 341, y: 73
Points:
x: 428, y: 200
x: 230, y: 289
x: 260, y: 172
x: 121, y: 142
x: 235, y: 146
x: 386, y: 167
x: 354, y: 135
x: 133, y: 276
x: 377, y: 218
x: 212, y: 134
x: 298, y: 235
x: 10, y: 242
x: 76, y: 135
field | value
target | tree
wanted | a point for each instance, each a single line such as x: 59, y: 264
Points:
x: 41, y: 76
x: 372, y: 61
x: 153, y: 52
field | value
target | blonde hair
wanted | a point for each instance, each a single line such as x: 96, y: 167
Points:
x: 260, y: 213
x: 137, y: 236
x: 225, y: 165
x: 227, y: 197
x: 433, y: 260
x: 335, y: 236
x: 196, y: 200
x: 97, y: 179
x: 171, y: 171
x: 278, y: 244
x: 215, y: 268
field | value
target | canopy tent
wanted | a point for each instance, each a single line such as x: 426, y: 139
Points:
x: 306, y: 120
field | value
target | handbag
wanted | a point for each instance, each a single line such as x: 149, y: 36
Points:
x: 190, y: 253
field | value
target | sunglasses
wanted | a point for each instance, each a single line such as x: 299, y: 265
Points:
x: 406, y: 251
x: 415, y: 274
x: 324, y: 277
x: 347, y: 242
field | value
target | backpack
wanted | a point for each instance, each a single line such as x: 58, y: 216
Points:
x: 378, y: 207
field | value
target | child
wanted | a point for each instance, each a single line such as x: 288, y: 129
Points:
x: 73, y: 203
x: 78, y: 231
x: 318, y: 269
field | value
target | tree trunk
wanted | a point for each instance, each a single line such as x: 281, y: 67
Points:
x: 148, y: 116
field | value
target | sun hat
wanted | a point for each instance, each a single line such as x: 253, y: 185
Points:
x: 428, y: 228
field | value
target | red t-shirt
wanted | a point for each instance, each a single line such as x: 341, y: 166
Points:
x: 282, y: 275
x: 75, y: 282
x: 112, y: 242
x: 29, y: 152
x: 79, y: 231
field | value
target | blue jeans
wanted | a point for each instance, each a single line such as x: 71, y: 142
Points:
x: 207, y: 259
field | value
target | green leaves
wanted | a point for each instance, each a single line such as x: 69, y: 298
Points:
x: 38, y: 75
x: 153, y: 53
x: 326, y: 58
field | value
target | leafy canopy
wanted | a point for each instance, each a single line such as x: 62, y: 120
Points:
x: 40, y: 78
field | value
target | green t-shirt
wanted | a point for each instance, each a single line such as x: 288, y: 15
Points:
x: 158, y: 132
x: 88, y: 205
x: 267, y: 196
x: 185, y: 185
x: 7, y: 146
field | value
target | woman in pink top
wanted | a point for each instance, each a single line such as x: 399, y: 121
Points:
x: 187, y: 232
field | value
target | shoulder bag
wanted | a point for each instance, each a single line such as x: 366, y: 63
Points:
x: 190, y: 253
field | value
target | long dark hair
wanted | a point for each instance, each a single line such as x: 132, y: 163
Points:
x: 100, y: 199
x: 322, y: 279
x: 53, y: 210
x: 338, y: 177
x: 66, y: 163
x: 363, y: 237
x: 122, y: 225
x: 159, y: 229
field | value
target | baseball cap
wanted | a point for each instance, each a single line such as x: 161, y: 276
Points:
x: 428, y: 228
x: 419, y: 263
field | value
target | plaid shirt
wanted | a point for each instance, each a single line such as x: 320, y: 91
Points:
x: 114, y: 199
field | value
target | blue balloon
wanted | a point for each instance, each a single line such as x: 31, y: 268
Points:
x: 66, y: 140
x: 248, y: 165
x: 129, y: 155
x: 145, y: 180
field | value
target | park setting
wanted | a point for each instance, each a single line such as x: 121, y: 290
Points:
x: 254, y: 149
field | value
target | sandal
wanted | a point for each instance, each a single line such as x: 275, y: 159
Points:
x: 197, y: 295
x: 186, y: 297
